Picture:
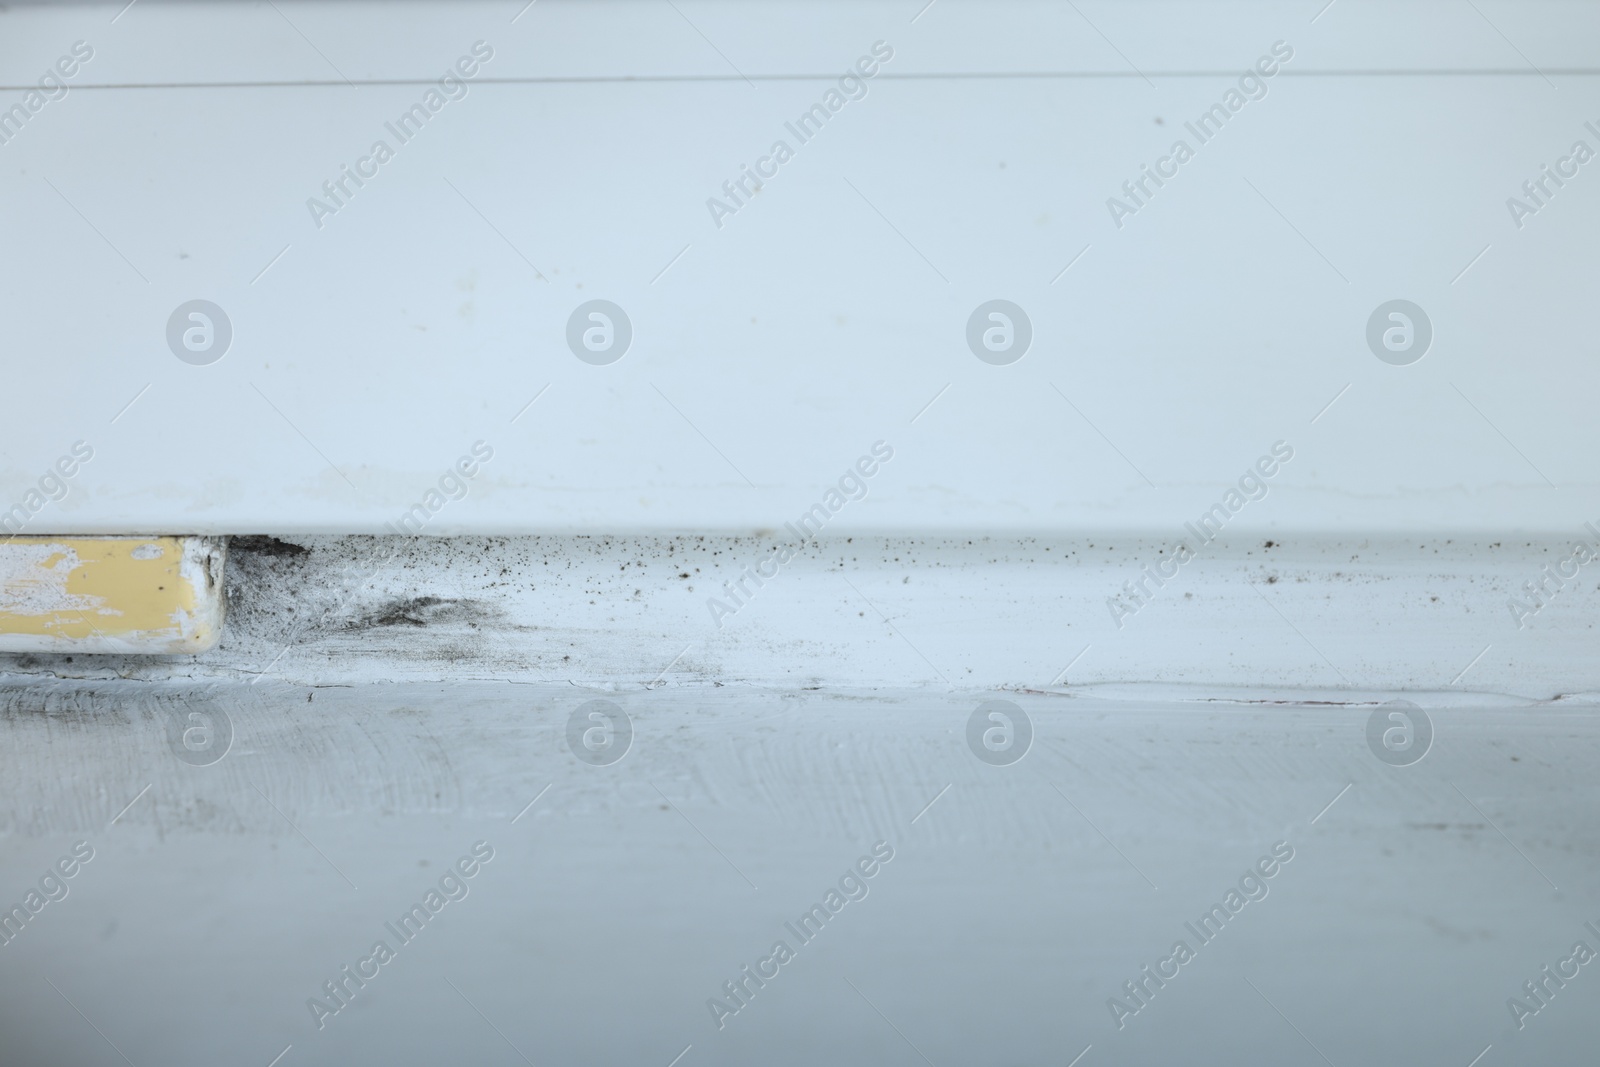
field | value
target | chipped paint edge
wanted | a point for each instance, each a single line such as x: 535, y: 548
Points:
x: 100, y: 595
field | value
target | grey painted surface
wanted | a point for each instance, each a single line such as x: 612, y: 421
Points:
x: 618, y: 903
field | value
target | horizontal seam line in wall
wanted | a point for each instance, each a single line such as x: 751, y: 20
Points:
x: 973, y: 76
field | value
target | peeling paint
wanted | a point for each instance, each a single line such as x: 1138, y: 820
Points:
x: 132, y: 595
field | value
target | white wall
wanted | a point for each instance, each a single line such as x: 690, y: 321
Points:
x: 826, y: 314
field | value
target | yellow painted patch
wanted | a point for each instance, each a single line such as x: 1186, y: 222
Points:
x: 110, y: 594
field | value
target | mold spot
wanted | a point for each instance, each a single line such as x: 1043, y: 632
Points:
x: 267, y: 546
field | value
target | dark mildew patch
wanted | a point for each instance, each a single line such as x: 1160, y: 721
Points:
x: 427, y: 611
x: 266, y: 546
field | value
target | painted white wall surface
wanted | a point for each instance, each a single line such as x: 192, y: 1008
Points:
x: 369, y: 348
